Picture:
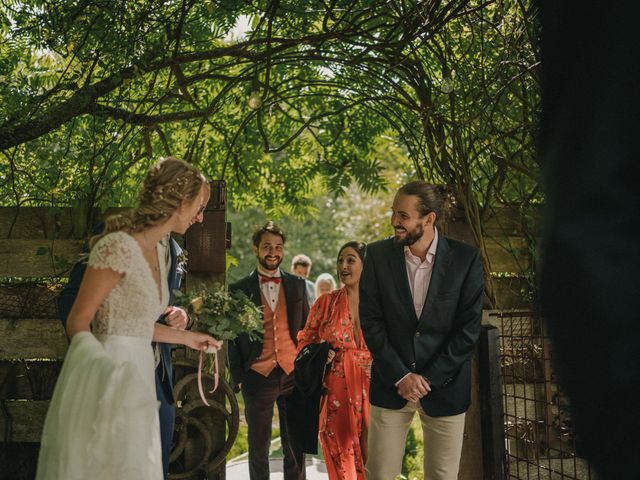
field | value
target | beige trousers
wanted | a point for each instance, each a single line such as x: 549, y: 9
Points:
x: 388, y: 435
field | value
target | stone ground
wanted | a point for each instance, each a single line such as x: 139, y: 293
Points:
x: 238, y: 468
x: 552, y: 469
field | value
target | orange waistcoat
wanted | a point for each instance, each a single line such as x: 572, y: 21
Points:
x: 277, y: 346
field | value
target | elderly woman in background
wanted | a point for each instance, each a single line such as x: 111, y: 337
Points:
x: 344, y: 411
x: 325, y: 284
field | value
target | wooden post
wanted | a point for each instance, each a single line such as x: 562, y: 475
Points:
x: 493, y: 435
x: 471, y: 461
x: 545, y: 340
x: 206, y: 252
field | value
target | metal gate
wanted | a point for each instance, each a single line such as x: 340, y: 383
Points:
x: 538, y: 437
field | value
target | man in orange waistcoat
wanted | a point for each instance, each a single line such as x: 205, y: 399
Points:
x: 264, y: 369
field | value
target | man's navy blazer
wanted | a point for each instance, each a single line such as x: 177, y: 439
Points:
x: 440, y: 343
x: 242, y: 350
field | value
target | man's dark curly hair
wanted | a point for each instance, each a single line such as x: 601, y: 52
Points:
x: 268, y: 227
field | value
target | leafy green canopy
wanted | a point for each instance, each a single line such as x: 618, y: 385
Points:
x: 92, y: 92
x: 281, y: 99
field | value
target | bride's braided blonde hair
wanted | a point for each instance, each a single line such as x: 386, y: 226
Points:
x: 166, y: 186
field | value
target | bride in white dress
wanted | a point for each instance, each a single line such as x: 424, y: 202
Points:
x: 102, y: 422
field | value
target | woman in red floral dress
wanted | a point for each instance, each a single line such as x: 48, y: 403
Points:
x: 344, y: 411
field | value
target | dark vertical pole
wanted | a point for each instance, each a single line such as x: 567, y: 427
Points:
x: 206, y: 244
x: 493, y: 435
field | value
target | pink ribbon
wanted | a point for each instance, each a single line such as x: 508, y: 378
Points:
x: 215, y: 376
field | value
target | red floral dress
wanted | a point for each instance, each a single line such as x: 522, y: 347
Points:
x: 344, y: 412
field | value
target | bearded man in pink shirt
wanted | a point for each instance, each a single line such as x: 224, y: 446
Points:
x: 420, y: 309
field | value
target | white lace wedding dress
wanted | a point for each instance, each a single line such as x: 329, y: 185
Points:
x: 102, y: 422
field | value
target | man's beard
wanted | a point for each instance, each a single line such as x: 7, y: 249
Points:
x: 410, y: 237
x: 263, y: 264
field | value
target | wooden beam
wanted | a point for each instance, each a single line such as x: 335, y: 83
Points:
x: 32, y: 380
x: 38, y: 258
x: 510, y: 254
x: 35, y: 222
x: 46, y: 222
x: 28, y: 300
x: 32, y: 339
x: 510, y: 221
x: 512, y: 293
x: 24, y: 420
x: 506, y: 253
x: 504, y: 221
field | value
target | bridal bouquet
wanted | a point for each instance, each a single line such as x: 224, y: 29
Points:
x: 223, y: 314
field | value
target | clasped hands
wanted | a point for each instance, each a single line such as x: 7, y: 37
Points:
x: 413, y: 387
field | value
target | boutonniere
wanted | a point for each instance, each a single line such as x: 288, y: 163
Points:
x: 181, y: 261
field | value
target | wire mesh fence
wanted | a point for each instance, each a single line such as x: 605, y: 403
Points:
x: 539, y: 441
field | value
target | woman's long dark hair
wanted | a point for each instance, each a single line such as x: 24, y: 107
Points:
x: 359, y: 247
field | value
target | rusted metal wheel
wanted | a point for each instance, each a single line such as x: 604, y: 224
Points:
x: 187, y: 429
x: 197, y: 448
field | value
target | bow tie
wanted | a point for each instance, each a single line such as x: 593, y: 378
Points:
x: 266, y: 279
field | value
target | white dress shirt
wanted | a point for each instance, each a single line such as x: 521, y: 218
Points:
x: 270, y: 290
x: 419, y: 275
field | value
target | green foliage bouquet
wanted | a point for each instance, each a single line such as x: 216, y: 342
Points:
x: 223, y: 314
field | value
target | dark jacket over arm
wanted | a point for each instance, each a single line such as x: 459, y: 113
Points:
x: 303, y: 405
